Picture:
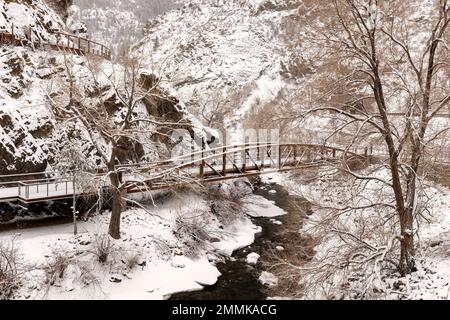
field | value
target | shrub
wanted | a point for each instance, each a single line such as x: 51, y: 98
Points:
x: 131, y: 260
x: 87, y: 276
x: 103, y: 247
x: 228, y: 201
x: 11, y: 269
x: 55, y: 268
x: 190, y: 229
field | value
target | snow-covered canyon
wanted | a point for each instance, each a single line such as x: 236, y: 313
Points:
x: 330, y: 230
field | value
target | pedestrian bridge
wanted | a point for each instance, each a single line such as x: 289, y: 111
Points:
x: 199, y: 167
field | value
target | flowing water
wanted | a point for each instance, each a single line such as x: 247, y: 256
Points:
x: 239, y: 280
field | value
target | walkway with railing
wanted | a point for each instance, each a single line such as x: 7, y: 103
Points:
x: 62, y: 42
x: 211, y: 165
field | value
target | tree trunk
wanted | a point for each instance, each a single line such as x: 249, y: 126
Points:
x: 407, y: 249
x: 74, y: 203
x: 404, y: 210
x: 114, y: 223
x: 117, y: 207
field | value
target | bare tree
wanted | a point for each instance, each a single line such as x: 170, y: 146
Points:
x: 111, y: 110
x: 71, y: 163
x: 368, y: 63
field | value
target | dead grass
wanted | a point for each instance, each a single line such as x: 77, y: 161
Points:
x: 191, y: 231
x: 131, y: 260
x: 56, y: 266
x: 102, y: 247
x: 11, y: 269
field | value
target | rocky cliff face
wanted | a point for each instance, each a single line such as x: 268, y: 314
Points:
x: 33, y: 79
x: 26, y: 126
x: 60, y: 6
x: 23, y: 15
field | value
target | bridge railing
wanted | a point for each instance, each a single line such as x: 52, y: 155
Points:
x: 63, y: 41
x: 45, y: 188
x: 236, y: 150
x: 81, y: 45
x: 26, y: 186
x: 204, y: 165
x: 240, y: 159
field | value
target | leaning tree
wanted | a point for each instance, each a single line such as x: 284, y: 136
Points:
x: 380, y: 70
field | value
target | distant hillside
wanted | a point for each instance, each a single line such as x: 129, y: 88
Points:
x: 120, y: 22
x: 228, y: 52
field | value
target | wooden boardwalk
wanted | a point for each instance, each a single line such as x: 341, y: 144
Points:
x: 62, y: 42
x: 205, y: 166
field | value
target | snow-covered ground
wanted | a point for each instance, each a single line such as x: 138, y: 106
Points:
x: 155, y: 239
x: 432, y: 280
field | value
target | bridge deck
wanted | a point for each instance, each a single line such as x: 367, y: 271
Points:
x: 63, y: 42
x: 200, y: 167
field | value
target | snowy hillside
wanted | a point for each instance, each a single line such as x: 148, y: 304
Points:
x: 119, y: 22
x: 25, y: 122
x: 221, y: 49
x: 35, y: 79
x: 23, y: 15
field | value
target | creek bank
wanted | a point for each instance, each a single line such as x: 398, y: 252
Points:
x: 239, y: 279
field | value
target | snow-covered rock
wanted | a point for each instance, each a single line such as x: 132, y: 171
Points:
x: 259, y: 207
x: 267, y: 278
x: 24, y: 16
x: 252, y: 258
x: 277, y: 222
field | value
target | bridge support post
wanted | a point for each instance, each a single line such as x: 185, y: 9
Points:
x: 202, y: 164
x: 244, y: 158
x: 263, y: 150
x: 224, y: 161
x: 258, y: 155
x: 279, y: 156
x: 192, y: 151
x: 295, y: 153
x: 202, y: 169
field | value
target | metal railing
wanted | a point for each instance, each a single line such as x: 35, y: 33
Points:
x: 224, y: 162
x: 63, y: 41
